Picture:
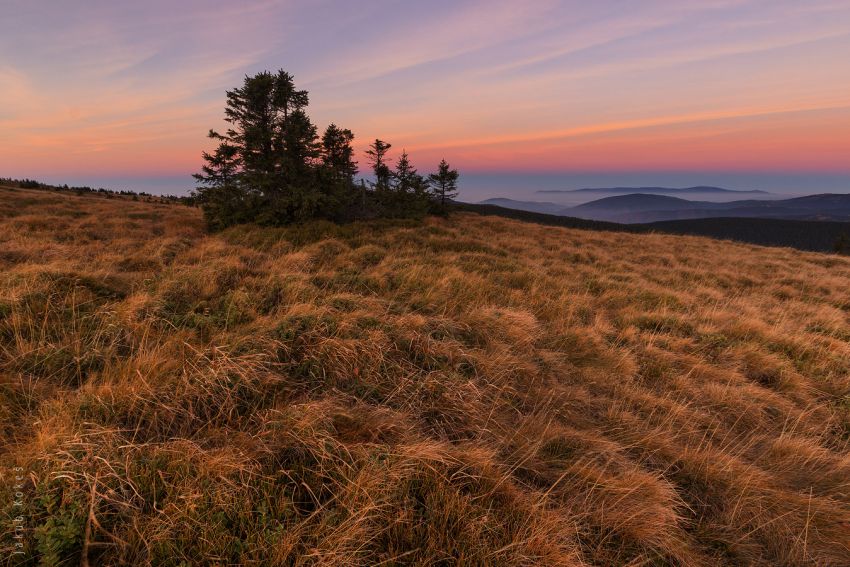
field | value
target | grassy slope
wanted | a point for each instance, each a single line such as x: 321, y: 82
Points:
x: 816, y: 236
x: 469, y: 391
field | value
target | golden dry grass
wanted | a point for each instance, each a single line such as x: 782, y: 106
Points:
x: 468, y: 391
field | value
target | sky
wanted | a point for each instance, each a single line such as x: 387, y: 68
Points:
x: 518, y: 95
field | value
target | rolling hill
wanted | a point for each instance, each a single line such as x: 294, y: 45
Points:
x: 699, y: 189
x: 812, y: 235
x: 532, y: 206
x: 645, y: 208
x: 470, y: 390
x: 639, y: 208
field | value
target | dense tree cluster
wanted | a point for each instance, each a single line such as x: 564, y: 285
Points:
x: 272, y: 167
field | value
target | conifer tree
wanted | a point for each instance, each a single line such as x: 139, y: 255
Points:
x: 337, y: 153
x: 338, y: 168
x: 444, y: 185
x: 410, y: 190
x: 300, y: 148
x: 252, y: 117
x: 377, y: 153
x: 277, y: 145
x: 222, y: 166
x: 219, y: 194
x: 287, y: 98
x: 405, y: 177
x: 298, y: 193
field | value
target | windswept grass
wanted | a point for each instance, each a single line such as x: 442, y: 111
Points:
x: 468, y: 391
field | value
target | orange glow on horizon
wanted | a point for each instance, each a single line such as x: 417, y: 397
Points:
x: 738, y: 86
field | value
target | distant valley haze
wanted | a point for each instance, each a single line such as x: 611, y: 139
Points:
x: 564, y: 187
x: 652, y: 204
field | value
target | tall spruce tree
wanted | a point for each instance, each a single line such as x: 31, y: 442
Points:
x: 338, y: 168
x: 409, y: 189
x: 222, y: 166
x: 338, y: 155
x: 300, y: 148
x: 444, y: 185
x: 219, y: 194
x: 299, y: 193
x: 287, y: 98
x: 377, y: 153
x: 405, y: 175
x: 277, y: 146
x: 253, y: 130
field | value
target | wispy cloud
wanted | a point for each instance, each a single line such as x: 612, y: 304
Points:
x: 94, y: 85
x: 639, y: 124
x: 455, y: 30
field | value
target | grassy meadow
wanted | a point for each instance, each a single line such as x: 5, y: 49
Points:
x: 463, y: 391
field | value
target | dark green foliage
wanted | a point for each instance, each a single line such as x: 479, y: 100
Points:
x: 338, y: 155
x: 377, y: 153
x: 407, y: 195
x: 444, y: 185
x: 59, y: 537
x: 338, y: 171
x: 222, y: 198
x: 263, y: 168
x: 272, y: 168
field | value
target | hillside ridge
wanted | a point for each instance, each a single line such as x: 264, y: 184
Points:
x: 663, y: 190
x: 817, y: 236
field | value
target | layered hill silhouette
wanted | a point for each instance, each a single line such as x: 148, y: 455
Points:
x: 531, y: 206
x: 642, y: 208
x: 648, y: 208
x: 699, y: 189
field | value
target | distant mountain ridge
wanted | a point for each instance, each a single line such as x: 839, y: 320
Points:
x: 658, y: 190
x: 532, y: 206
x: 648, y: 207
x: 642, y: 202
x: 645, y: 208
